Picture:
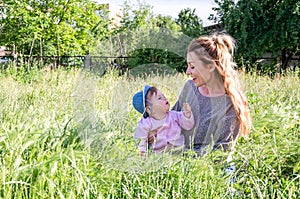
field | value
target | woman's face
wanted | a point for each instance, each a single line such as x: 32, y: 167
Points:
x: 199, y: 72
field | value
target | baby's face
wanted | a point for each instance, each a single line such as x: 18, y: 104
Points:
x: 159, y: 103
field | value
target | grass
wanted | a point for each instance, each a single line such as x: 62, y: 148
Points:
x: 68, y: 134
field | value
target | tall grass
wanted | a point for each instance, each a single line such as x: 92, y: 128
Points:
x: 68, y: 134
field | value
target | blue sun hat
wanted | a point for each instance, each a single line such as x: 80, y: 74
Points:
x: 139, y: 101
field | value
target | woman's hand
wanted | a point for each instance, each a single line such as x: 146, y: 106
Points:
x: 187, y: 110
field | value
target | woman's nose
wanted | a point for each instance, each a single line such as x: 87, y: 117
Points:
x: 188, y: 71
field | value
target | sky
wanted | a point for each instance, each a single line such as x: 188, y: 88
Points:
x: 173, y: 7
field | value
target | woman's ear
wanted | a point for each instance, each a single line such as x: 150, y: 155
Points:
x: 211, y: 67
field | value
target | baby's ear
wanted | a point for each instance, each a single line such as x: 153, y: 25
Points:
x: 148, y: 110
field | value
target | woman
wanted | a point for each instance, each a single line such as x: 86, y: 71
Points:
x: 213, y: 92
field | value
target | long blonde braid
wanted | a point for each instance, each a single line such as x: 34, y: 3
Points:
x: 220, y: 49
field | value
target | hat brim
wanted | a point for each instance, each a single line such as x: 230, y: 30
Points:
x: 145, y: 91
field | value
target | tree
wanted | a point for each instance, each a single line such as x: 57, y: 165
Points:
x: 190, y: 23
x: 50, y: 27
x: 145, y: 38
x: 136, y: 15
x: 262, y: 26
x: 167, y: 22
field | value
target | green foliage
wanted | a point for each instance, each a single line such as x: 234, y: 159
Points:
x: 261, y: 27
x: 139, y: 25
x: 52, y: 28
x: 190, y: 23
x: 68, y: 134
x: 145, y: 45
x: 72, y: 28
x: 159, y: 56
x: 135, y: 15
x: 165, y: 22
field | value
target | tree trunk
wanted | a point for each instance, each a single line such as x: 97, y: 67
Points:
x: 278, y: 65
x: 286, y: 58
x: 30, y: 53
x: 58, y: 55
x: 15, y: 55
x: 41, y: 51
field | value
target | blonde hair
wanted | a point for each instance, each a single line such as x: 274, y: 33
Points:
x: 219, y: 49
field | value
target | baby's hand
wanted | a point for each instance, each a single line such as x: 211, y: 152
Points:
x: 151, y: 137
x: 187, y: 110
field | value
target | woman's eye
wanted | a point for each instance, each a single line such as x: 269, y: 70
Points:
x: 191, y: 66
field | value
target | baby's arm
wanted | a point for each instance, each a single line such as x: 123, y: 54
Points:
x: 187, y: 110
x: 143, y: 146
x: 187, y: 121
x: 142, y: 133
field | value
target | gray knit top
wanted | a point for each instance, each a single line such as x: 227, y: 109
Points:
x: 216, y: 123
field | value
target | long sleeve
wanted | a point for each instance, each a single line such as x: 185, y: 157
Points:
x: 142, y: 131
x: 215, y: 120
x: 187, y: 123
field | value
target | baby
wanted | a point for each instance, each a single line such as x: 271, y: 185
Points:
x: 157, y: 117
